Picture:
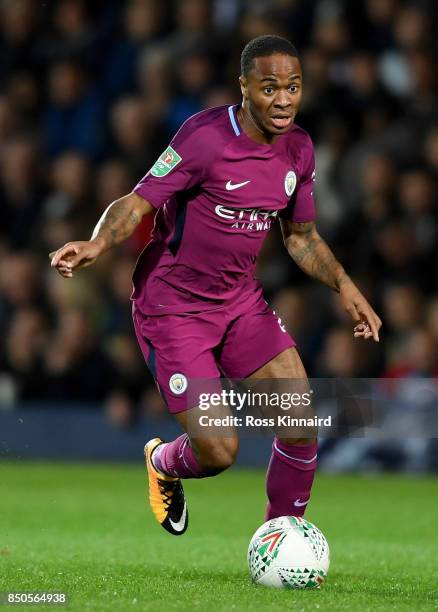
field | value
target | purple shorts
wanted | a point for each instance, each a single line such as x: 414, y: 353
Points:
x: 233, y: 341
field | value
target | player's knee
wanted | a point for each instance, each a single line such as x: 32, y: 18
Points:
x: 215, y: 456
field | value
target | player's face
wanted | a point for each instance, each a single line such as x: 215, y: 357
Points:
x: 272, y: 92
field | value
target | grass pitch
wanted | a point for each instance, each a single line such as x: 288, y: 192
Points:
x: 87, y: 530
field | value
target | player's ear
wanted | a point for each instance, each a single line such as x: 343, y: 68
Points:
x: 243, y: 86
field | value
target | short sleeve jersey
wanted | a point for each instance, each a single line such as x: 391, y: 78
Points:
x: 217, y: 193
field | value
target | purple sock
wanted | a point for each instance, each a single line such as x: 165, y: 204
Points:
x: 178, y: 459
x: 289, y: 478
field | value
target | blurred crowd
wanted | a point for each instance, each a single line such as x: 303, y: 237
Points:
x: 90, y: 94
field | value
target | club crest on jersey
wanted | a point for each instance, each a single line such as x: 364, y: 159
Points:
x: 178, y: 383
x: 290, y: 181
x: 164, y: 164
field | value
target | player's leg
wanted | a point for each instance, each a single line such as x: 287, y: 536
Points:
x: 188, y: 456
x: 192, y: 455
x: 176, y: 349
x: 293, y: 461
x: 247, y: 354
x: 185, y: 457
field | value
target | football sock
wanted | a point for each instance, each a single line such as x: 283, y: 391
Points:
x: 289, y: 478
x: 177, y: 459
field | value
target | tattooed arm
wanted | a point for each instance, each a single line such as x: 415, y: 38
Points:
x: 314, y: 257
x: 120, y: 219
x: 117, y: 223
x: 311, y: 253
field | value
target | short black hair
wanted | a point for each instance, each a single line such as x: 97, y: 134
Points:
x: 263, y: 46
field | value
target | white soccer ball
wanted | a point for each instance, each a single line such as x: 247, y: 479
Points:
x: 288, y: 552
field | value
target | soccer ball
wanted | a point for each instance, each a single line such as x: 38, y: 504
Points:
x: 288, y: 552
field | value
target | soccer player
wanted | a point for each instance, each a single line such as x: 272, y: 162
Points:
x: 227, y: 175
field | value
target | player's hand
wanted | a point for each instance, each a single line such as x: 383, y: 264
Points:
x: 74, y: 255
x: 353, y: 302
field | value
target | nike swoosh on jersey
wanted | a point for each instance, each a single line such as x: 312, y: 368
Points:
x: 230, y: 187
x: 179, y: 525
x: 299, y: 503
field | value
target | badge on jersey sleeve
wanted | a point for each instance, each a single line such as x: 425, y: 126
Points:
x: 166, y: 162
x: 290, y: 181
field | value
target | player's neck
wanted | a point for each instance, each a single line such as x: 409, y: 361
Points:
x: 250, y: 127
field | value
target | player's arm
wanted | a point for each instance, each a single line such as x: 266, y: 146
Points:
x: 178, y: 168
x: 314, y: 257
x: 116, y: 224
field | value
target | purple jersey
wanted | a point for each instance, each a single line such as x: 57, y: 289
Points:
x: 217, y: 193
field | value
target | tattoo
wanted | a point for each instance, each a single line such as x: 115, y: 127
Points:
x: 117, y: 222
x: 311, y: 253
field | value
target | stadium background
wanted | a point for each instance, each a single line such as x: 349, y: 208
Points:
x: 90, y: 94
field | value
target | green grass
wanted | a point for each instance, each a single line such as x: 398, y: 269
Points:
x: 87, y: 530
